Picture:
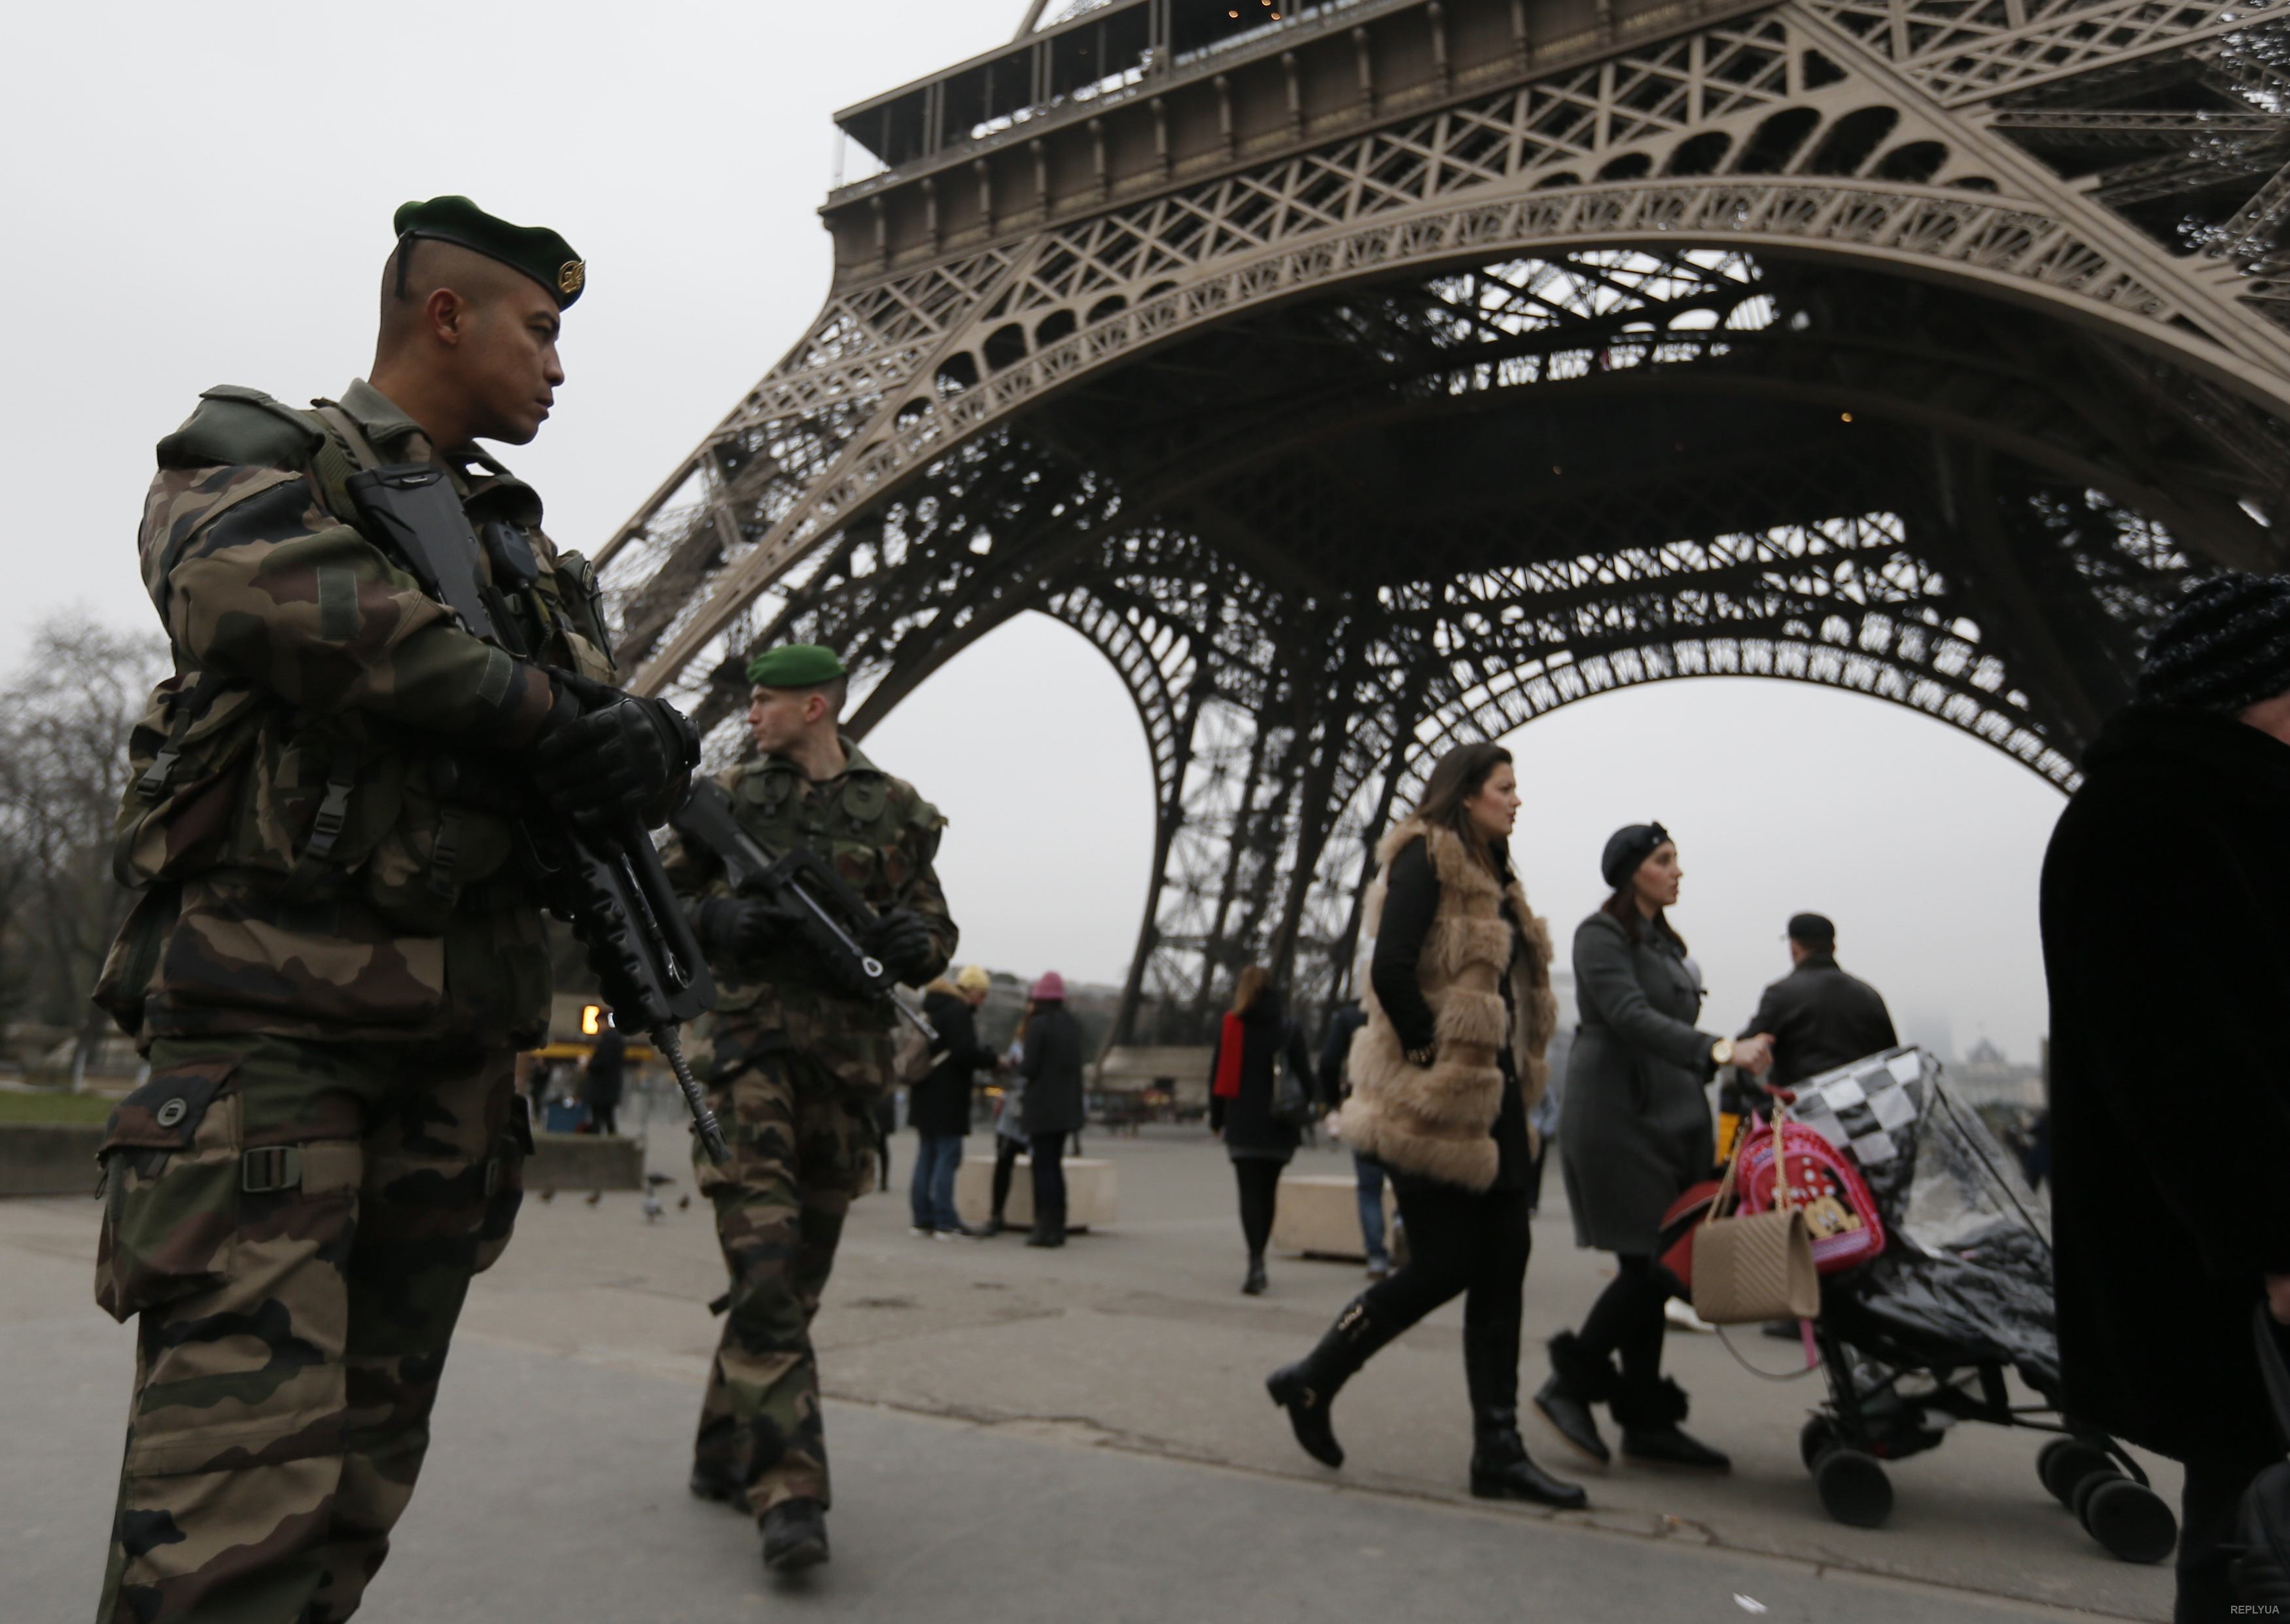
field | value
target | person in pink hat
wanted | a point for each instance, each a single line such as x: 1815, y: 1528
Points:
x: 1053, y: 1104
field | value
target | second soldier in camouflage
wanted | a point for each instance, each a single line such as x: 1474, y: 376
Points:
x: 799, y: 1060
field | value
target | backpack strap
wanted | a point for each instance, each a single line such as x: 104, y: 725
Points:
x: 188, y: 706
x: 342, y: 450
x: 326, y: 828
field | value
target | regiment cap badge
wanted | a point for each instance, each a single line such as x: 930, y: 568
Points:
x: 571, y: 276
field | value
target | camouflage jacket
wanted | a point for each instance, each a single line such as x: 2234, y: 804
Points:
x: 882, y: 837
x: 311, y: 825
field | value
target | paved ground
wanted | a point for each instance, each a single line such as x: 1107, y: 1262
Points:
x: 1050, y: 1434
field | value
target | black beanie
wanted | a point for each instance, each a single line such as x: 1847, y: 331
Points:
x: 2224, y: 646
x: 1627, y: 848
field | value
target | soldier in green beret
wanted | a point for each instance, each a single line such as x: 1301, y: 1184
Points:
x: 799, y: 1060
x: 335, y: 953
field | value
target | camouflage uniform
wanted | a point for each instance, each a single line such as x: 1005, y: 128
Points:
x: 331, y: 966
x: 794, y: 1066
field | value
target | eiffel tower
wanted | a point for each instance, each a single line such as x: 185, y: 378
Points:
x: 1363, y: 376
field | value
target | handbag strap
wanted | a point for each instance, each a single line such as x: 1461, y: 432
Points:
x: 2270, y: 1367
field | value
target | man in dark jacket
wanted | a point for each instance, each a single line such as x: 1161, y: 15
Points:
x: 2166, y: 940
x: 601, y: 1080
x: 1819, y: 1016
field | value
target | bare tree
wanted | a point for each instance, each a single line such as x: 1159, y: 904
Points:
x: 64, y: 723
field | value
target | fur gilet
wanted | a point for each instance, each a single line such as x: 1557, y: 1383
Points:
x: 1437, y: 1120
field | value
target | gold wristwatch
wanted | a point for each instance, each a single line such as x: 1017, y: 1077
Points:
x: 1721, y: 1052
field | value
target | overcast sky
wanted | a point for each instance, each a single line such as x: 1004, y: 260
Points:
x: 201, y: 195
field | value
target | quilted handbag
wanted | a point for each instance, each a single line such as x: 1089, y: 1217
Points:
x: 2261, y: 1574
x: 1750, y: 1267
x: 1840, y: 1215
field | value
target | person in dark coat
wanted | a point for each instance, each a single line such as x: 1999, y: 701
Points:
x: 1054, y: 1103
x: 1367, y: 1176
x: 1460, y: 1010
x: 938, y: 1106
x: 1634, y: 1134
x: 1258, y: 1142
x: 2167, y: 940
x: 601, y: 1081
x: 1819, y: 1016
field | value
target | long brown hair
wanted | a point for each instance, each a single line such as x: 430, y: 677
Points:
x: 1462, y: 773
x: 1249, y: 988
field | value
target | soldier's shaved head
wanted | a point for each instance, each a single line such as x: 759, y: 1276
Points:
x: 468, y: 349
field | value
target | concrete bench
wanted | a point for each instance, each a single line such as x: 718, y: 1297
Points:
x: 1091, y: 1190
x: 1319, y: 1216
x: 583, y: 1161
x: 1180, y: 1071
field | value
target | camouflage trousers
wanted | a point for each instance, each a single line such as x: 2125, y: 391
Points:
x: 802, y: 1151
x: 296, y: 1224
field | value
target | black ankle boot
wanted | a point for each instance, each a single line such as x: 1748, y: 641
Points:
x: 1577, y: 1380
x: 1501, y: 1468
x: 1253, y: 1286
x: 1649, y: 1414
x: 1307, y: 1389
x: 1049, y: 1228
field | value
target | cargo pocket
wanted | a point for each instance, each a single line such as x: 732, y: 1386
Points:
x: 171, y: 1160
x: 504, y: 1177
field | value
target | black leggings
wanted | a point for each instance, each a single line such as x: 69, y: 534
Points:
x: 1006, y: 1152
x: 1048, y: 1151
x: 1475, y: 1247
x: 1627, y: 1319
x: 1260, y: 1194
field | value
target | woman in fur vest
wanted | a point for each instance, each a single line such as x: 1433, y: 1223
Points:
x: 1633, y: 1136
x: 1458, y: 1009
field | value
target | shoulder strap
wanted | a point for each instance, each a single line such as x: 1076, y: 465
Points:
x: 343, y: 451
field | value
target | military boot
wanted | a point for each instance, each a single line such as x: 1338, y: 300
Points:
x: 1578, y: 1379
x: 1307, y: 1389
x: 719, y: 1485
x: 795, y: 1536
x: 1649, y: 1412
x: 1503, y: 1470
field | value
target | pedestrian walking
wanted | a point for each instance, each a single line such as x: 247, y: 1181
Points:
x: 1053, y: 1105
x: 802, y: 1057
x: 1255, y: 1041
x: 335, y: 956
x: 604, y: 1077
x: 1634, y: 1134
x: 1367, y: 1175
x: 1450, y: 1061
x: 2165, y: 895
x: 938, y: 1106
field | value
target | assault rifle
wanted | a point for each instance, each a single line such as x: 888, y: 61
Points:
x: 608, y: 884
x: 833, y: 918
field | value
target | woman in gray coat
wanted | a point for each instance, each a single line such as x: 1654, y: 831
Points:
x: 1633, y: 1134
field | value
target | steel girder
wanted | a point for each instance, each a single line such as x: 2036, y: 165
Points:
x: 1890, y: 347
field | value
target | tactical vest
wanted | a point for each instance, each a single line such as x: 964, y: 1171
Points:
x: 227, y: 775
x: 864, y: 824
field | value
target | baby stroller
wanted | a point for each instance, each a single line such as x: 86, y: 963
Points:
x: 1922, y: 1336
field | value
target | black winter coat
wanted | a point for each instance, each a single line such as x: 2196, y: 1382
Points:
x: 2166, y: 940
x: 1820, y: 1018
x: 1053, y: 1101
x: 1246, y: 1122
x: 938, y: 1106
x: 600, y: 1081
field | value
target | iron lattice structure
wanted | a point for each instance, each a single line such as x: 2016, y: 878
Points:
x: 1381, y: 374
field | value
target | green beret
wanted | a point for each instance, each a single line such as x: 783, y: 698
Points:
x: 795, y: 665
x: 535, y: 249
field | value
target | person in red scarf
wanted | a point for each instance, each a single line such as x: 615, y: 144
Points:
x: 1255, y: 1042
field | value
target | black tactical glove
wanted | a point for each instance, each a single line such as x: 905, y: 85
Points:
x: 750, y: 929
x: 902, y: 941
x: 604, y: 755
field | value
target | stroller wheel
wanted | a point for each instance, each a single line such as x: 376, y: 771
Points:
x: 1853, y: 1488
x: 2129, y: 1520
x: 2088, y: 1485
x: 1815, y: 1439
x: 2065, y: 1462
